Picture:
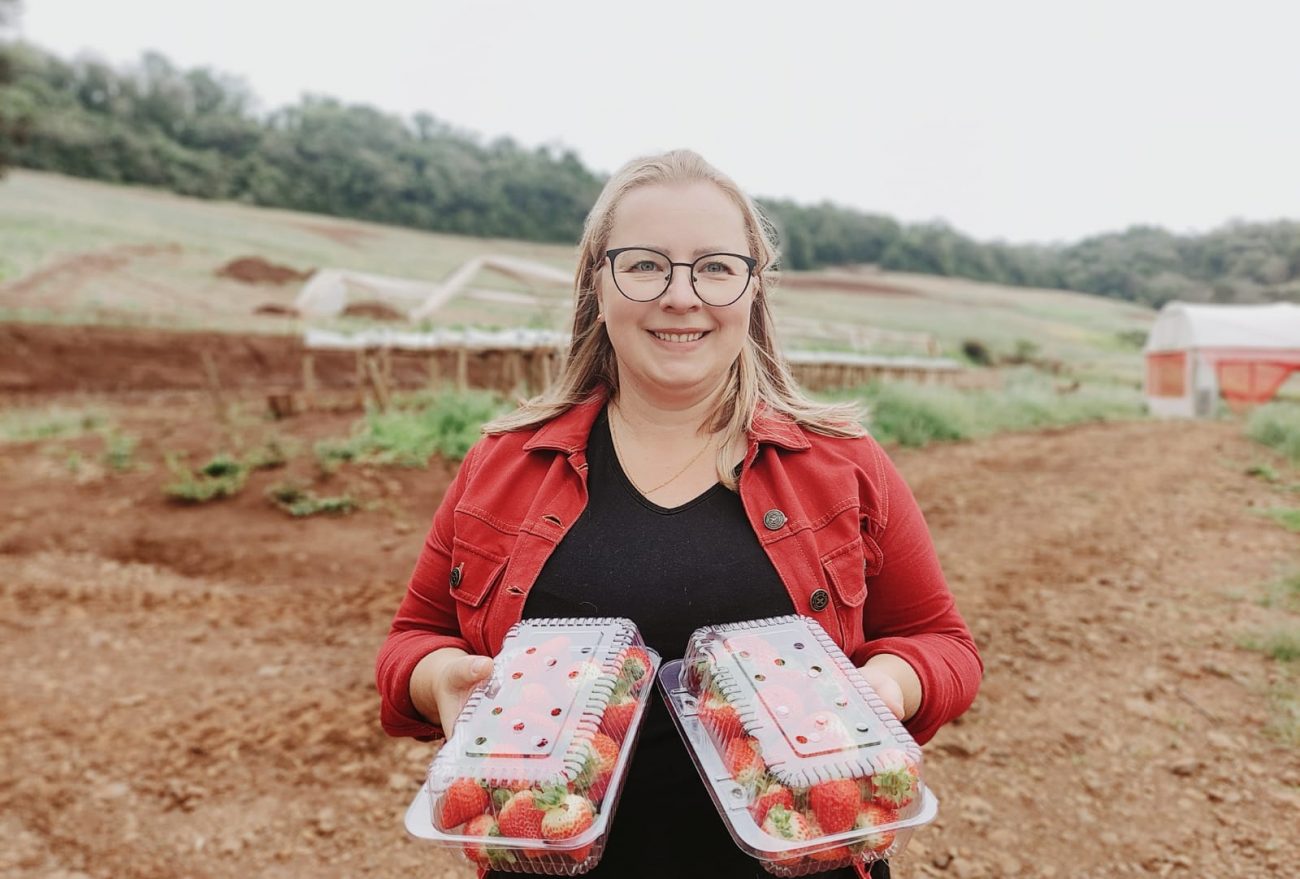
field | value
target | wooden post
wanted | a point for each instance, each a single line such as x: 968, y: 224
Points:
x: 214, y: 387
x: 547, y: 354
x: 361, y: 377
x: 379, y: 383
x: 308, y: 381
x: 433, y: 368
x: 462, y: 368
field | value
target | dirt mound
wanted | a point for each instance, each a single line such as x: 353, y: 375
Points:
x: 275, y: 309
x: 255, y: 270
x: 373, y: 310
x: 70, y: 269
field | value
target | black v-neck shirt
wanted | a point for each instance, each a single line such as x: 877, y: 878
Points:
x: 670, y: 571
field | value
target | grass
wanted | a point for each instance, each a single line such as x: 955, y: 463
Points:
x: 916, y: 415
x: 1277, y: 425
x: 223, y: 476
x: 119, y: 451
x: 300, y: 502
x: 422, y: 425
x: 26, y: 425
x: 1281, y: 643
x: 1287, y: 517
x: 1284, y: 593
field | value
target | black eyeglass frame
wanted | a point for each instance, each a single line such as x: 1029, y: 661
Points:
x: 672, y: 267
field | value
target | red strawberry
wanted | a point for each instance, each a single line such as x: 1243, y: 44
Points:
x: 598, y: 768
x: 566, y: 816
x: 721, y: 718
x: 480, y: 852
x: 520, y: 817
x: 835, y: 803
x: 872, y: 815
x: 636, y: 668
x: 464, y: 799
x: 772, y: 794
x: 896, y: 780
x: 617, y: 719
x: 786, y: 824
x: 744, y: 762
x: 825, y: 856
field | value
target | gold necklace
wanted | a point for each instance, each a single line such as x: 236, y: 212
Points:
x: 646, y: 491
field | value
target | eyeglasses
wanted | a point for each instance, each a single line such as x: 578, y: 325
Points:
x: 643, y: 275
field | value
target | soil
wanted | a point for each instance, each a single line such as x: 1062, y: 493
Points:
x: 256, y: 270
x: 188, y: 690
x: 374, y: 311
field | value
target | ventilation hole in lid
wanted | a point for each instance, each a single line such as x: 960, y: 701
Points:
x: 815, y: 670
x: 842, y: 702
x: 760, y: 677
x: 480, y: 740
x: 542, y: 743
x: 519, y: 726
x: 531, y: 650
x: 863, y: 727
x: 517, y: 675
x: 550, y: 661
x: 744, y: 654
x: 779, y: 661
x: 586, y: 650
x: 555, y: 712
x: 798, y: 645
x: 803, y: 740
x: 497, y: 710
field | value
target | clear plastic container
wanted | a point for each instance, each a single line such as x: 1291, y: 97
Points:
x: 530, y: 776
x: 809, y: 769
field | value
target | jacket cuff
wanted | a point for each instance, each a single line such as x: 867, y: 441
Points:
x: 941, y: 699
x: 393, y: 669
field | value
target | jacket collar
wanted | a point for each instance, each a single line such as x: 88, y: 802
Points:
x: 568, y: 431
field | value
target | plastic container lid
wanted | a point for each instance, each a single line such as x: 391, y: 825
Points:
x: 809, y: 769
x: 529, y: 778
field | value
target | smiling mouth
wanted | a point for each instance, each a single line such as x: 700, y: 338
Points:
x: 678, y: 337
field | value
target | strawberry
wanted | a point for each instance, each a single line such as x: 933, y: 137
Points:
x: 580, y: 673
x: 617, y: 719
x: 598, y: 768
x: 520, y: 817
x: 464, y: 799
x: 721, y: 718
x: 744, y: 762
x: 479, y: 852
x: 771, y: 794
x: 786, y: 824
x: 636, y: 668
x: 870, y: 816
x: 896, y: 781
x: 566, y: 815
x: 826, y: 856
x: 835, y: 803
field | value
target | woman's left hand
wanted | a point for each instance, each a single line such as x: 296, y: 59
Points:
x: 886, y: 688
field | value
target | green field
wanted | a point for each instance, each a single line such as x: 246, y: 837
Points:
x: 81, y: 251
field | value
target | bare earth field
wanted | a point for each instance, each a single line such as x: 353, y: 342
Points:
x: 187, y: 691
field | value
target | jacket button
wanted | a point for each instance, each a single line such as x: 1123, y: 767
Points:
x: 820, y: 599
x: 456, y: 575
x: 773, y: 520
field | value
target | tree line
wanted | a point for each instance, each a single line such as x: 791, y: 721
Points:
x: 199, y: 132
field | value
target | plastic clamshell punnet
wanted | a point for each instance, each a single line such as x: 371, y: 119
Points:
x: 530, y: 776
x: 809, y: 769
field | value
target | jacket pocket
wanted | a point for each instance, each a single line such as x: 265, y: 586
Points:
x: 473, y: 572
x: 846, y: 570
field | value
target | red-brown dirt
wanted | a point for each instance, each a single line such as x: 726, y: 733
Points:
x: 256, y: 270
x: 188, y: 690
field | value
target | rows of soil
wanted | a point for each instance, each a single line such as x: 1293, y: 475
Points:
x: 188, y: 690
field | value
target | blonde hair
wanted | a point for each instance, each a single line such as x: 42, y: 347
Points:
x: 759, y: 374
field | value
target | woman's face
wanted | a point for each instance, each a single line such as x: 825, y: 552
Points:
x: 675, y: 346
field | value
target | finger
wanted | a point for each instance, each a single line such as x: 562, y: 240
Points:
x: 467, y: 671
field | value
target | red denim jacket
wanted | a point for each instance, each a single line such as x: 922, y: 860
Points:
x: 836, y: 519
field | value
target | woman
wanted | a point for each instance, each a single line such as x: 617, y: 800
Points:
x: 674, y: 474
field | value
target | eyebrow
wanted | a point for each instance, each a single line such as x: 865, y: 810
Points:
x: 698, y: 252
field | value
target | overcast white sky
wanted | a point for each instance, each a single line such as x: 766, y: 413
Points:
x: 1018, y: 120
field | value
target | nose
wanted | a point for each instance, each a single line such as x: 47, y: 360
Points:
x: 680, y: 295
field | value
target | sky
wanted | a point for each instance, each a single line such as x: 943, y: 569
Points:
x: 1021, y: 121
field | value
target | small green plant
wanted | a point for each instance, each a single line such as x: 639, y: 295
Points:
x: 1287, y: 517
x: 1280, y: 644
x: 27, y: 425
x: 272, y: 454
x: 1277, y: 425
x: 298, y: 501
x: 446, y: 424
x: 1284, y: 593
x: 1284, y: 699
x: 1264, y: 472
x: 119, y: 451
x: 223, y: 476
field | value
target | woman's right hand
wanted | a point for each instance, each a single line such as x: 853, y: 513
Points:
x: 442, y: 681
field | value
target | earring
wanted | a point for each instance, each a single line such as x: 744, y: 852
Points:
x: 600, y: 316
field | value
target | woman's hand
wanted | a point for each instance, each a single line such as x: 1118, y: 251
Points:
x: 442, y: 681
x: 895, y: 682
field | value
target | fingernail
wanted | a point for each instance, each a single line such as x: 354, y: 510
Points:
x: 479, y: 666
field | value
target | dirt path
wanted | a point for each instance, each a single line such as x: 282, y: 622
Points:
x: 188, y: 691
